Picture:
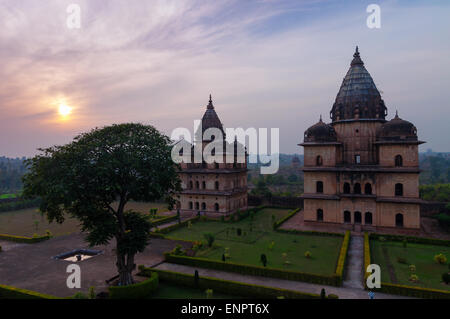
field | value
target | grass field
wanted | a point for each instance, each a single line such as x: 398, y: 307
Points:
x: 5, y: 196
x: 171, y: 291
x: 386, y: 255
x: 256, y: 239
x: 27, y: 222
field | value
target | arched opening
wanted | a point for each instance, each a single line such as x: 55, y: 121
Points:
x: 399, y: 220
x: 319, y: 187
x: 347, y: 217
x: 197, y: 185
x: 217, y: 185
x: 368, y: 189
x: 319, y: 215
x: 203, y: 184
x: 216, y: 165
x: 197, y: 206
x: 346, y: 188
x: 357, y: 217
x: 357, y: 188
x: 216, y: 207
x: 203, y: 206
x: 191, y: 205
x: 319, y: 160
x: 398, y: 189
x: 191, y: 185
x: 368, y: 218
x: 398, y: 161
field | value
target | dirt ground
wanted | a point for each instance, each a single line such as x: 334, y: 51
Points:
x: 32, y: 266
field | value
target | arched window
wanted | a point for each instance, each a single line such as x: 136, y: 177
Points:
x: 191, y: 206
x: 319, y: 187
x: 347, y: 217
x: 398, y: 189
x: 399, y: 220
x: 319, y: 161
x: 197, y: 206
x: 191, y: 185
x: 398, y: 161
x: 197, y: 185
x: 368, y: 189
x: 217, y: 185
x: 357, y: 188
x: 203, y: 184
x: 368, y: 218
x: 216, y: 207
x: 203, y: 206
x: 357, y: 217
x: 319, y: 215
x: 216, y: 165
x: 346, y: 188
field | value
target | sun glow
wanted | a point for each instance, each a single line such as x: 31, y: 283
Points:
x: 64, y: 110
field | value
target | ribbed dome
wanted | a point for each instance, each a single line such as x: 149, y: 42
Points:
x: 210, y: 120
x: 358, y: 97
x: 320, y: 132
x: 397, y: 130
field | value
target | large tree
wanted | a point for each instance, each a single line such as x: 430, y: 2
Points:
x: 94, y: 177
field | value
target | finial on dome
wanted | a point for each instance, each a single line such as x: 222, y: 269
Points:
x: 396, y: 114
x: 210, y: 105
x: 357, y: 58
x: 320, y: 118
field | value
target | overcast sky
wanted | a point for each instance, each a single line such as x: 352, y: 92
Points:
x: 267, y: 63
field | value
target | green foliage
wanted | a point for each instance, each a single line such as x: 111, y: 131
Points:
x: 323, y: 294
x: 92, y: 294
x: 308, y: 254
x: 8, y: 292
x: 140, y: 290
x: 446, y: 278
x: 342, y: 259
x: 412, y: 268
x: 444, y: 219
x: 440, y: 259
x: 436, y: 192
x: 210, y: 238
x: 19, y: 204
x: 410, y: 239
x: 25, y: 240
x: 79, y: 295
x: 278, y: 223
x: 84, y: 178
x: 332, y: 280
x: 229, y: 287
x: 178, y: 251
x: 416, y: 292
x: 209, y: 293
x: 402, y: 260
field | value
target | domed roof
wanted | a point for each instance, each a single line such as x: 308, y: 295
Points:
x: 320, y: 132
x: 397, y: 130
x: 210, y: 120
x: 358, y: 96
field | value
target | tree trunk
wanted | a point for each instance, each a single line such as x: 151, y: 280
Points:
x: 125, y: 266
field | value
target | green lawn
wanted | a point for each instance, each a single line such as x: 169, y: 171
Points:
x: 27, y: 222
x: 171, y: 291
x: 257, y: 236
x: 422, y: 256
x: 5, y: 196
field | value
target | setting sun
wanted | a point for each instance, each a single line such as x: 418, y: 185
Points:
x: 64, y: 110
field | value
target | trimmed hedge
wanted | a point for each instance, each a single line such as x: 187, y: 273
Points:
x: 309, y: 232
x: 366, y: 258
x: 140, y: 290
x: 342, y: 260
x: 332, y: 280
x: 227, y: 286
x: 403, y: 290
x: 417, y: 292
x: 177, y: 225
x: 164, y: 220
x: 26, y: 240
x: 411, y: 239
x: 279, y: 222
x: 8, y: 292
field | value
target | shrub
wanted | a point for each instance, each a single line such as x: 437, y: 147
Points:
x: 239, y: 232
x: 137, y: 291
x: 414, y: 278
x: 412, y: 268
x: 271, y: 245
x: 209, y: 293
x: 308, y: 254
x: 446, y: 278
x: 402, y: 260
x: 440, y: 259
x: 79, y: 295
x: 323, y: 295
x: 404, y: 243
x: 8, y: 292
x: 333, y: 296
x: 209, y: 238
x: 178, y: 251
x: 92, y: 292
x: 264, y: 259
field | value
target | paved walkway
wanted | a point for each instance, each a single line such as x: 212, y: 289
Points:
x: 342, y: 292
x: 354, y: 274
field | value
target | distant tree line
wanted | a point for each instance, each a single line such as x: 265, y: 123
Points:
x: 11, y: 172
